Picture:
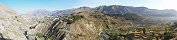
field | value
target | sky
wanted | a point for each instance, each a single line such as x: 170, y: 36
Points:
x: 23, y: 6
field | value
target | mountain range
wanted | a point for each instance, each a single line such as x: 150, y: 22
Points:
x: 112, y: 9
x: 114, y: 22
x: 137, y: 13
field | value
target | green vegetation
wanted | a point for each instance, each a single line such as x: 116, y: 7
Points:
x: 72, y: 18
x: 42, y: 37
x: 143, y: 33
x: 168, y: 35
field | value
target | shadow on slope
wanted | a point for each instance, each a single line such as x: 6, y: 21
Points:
x: 2, y: 38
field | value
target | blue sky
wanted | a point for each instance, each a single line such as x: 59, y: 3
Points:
x: 30, y: 5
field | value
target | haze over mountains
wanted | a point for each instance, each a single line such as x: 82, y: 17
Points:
x: 112, y: 22
x: 115, y: 10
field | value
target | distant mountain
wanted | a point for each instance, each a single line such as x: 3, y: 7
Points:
x: 137, y: 14
x: 40, y: 12
x: 113, y: 9
x: 117, y: 9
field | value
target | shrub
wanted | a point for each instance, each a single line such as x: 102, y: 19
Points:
x: 71, y: 18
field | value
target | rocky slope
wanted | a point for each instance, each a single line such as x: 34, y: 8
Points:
x: 11, y: 24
